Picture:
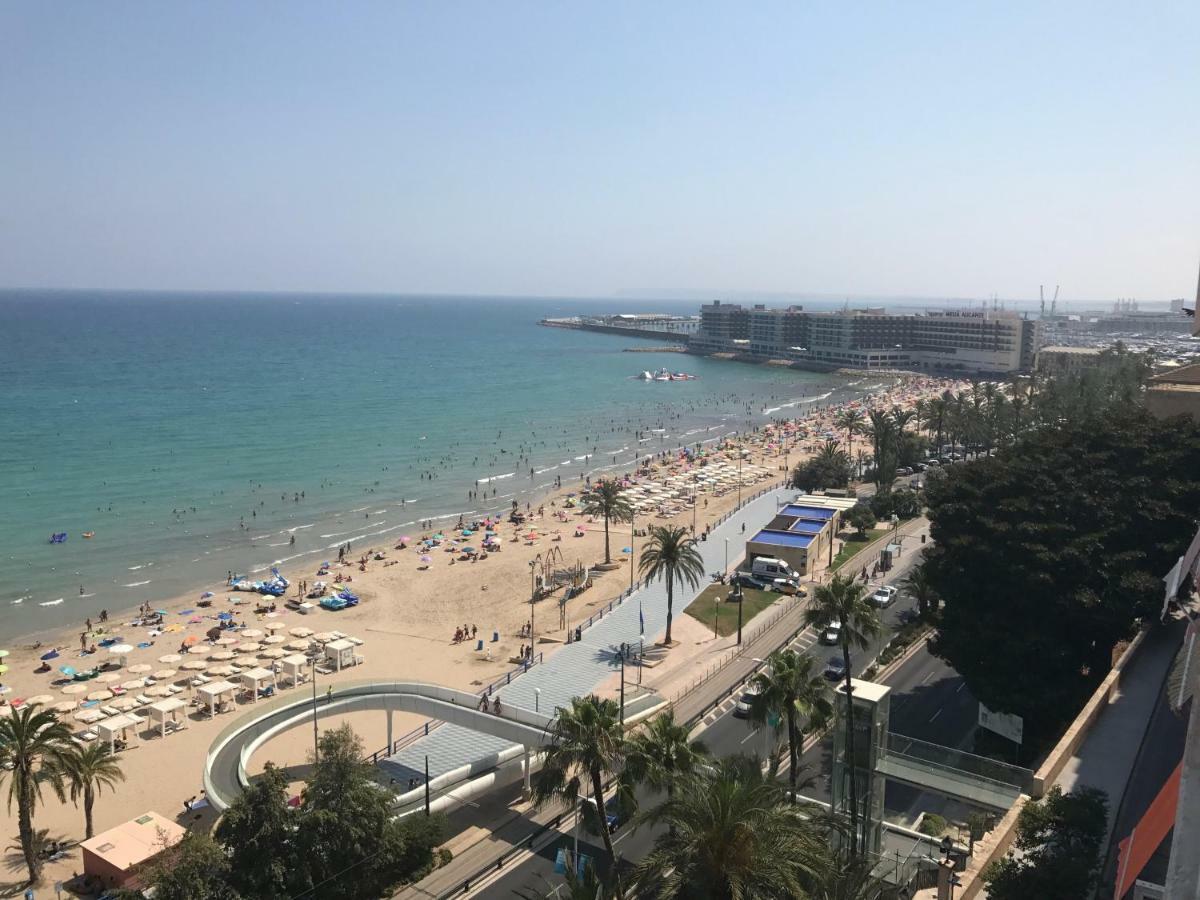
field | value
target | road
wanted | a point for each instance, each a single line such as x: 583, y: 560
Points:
x: 929, y: 702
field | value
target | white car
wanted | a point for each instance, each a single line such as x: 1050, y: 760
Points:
x: 832, y: 634
x: 885, y: 596
x: 741, y: 709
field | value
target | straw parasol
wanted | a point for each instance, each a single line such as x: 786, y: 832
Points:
x: 274, y: 653
x: 159, y: 690
x: 222, y: 656
x: 248, y: 647
x: 124, y: 704
x: 274, y: 639
x: 248, y: 661
x: 221, y: 670
x: 40, y: 700
x: 100, y: 695
x: 140, y: 669
x: 200, y: 650
x: 296, y: 645
x: 134, y: 684
x: 171, y: 658
x: 274, y: 626
x: 163, y: 674
x: 74, y: 689
x: 65, y: 706
x: 325, y: 637
x: 107, y: 678
x: 251, y: 633
x: 194, y: 665
x: 226, y: 641
x: 302, y: 632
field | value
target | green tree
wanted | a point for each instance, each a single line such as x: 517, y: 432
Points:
x: 843, y: 600
x: 731, y: 834
x: 33, y: 748
x: 1059, y: 838
x: 830, y: 468
x: 586, y: 741
x: 905, y: 503
x: 790, y: 690
x: 194, y: 869
x: 850, y: 421
x: 1067, y: 533
x: 918, y: 586
x: 861, y: 518
x: 670, y: 554
x: 607, y: 499
x: 661, y: 754
x: 849, y: 879
x: 259, y: 831
x: 89, y: 769
x: 347, y: 825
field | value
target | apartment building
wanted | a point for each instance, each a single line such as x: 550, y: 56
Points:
x: 978, y: 340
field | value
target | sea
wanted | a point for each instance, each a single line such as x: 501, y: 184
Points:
x: 196, y: 435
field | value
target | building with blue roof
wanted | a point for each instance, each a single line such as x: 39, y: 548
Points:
x: 801, y: 534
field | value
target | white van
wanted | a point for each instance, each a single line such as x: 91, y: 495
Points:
x: 768, y: 568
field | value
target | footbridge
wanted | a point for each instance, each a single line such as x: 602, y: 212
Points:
x: 952, y: 773
x: 225, y: 767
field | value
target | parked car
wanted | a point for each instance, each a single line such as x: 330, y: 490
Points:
x: 835, y: 668
x: 885, y: 596
x: 832, y: 634
x: 614, y: 816
x: 788, y: 586
x: 746, y: 580
x: 908, y: 616
x: 741, y: 709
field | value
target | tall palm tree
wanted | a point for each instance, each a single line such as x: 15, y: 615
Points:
x: 33, y: 746
x: 607, y: 499
x: 849, y: 879
x: 671, y: 554
x: 586, y: 741
x: 732, y: 834
x: 843, y: 600
x: 920, y: 413
x: 882, y: 430
x: 938, y: 410
x: 918, y: 586
x: 850, y: 421
x: 661, y: 755
x: 89, y: 769
x: 790, y: 689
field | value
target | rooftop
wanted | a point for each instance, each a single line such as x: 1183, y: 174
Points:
x: 135, y: 841
x: 782, y: 539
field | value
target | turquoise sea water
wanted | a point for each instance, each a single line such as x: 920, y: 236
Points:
x: 181, y: 428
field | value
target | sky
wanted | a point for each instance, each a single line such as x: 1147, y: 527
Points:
x: 931, y: 149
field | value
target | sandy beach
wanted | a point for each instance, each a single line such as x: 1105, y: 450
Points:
x: 411, y: 603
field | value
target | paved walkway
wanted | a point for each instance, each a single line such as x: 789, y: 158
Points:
x: 575, y: 670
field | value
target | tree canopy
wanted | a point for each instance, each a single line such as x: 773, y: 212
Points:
x: 1046, y: 554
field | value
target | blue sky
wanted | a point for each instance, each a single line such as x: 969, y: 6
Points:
x: 921, y: 149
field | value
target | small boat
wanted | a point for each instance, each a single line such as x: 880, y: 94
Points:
x: 59, y: 537
x: 89, y: 534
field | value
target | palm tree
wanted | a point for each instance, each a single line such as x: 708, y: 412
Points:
x: 843, y: 600
x: 882, y: 431
x: 921, y: 413
x: 33, y: 746
x: 670, y: 554
x: 89, y: 769
x: 732, y: 834
x: 661, y: 755
x: 851, y: 421
x: 607, y: 499
x: 938, y: 411
x: 791, y: 690
x: 849, y: 879
x: 586, y: 741
x: 918, y: 586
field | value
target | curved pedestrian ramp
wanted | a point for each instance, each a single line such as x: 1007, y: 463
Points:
x: 952, y: 773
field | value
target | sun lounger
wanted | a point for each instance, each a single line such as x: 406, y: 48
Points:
x: 109, y: 711
x: 175, y: 689
x: 86, y: 736
x: 142, y: 700
x: 357, y: 642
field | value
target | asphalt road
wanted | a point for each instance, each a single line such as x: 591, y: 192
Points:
x: 929, y: 702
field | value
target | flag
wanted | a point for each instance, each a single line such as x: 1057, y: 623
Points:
x: 641, y: 619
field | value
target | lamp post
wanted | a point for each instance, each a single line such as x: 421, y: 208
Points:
x: 537, y: 699
x: 726, y: 570
x: 737, y: 592
x: 622, y: 686
x: 532, y: 595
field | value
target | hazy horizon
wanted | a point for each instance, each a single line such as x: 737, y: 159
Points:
x: 937, y: 153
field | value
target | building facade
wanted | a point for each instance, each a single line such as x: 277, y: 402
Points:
x: 993, y: 342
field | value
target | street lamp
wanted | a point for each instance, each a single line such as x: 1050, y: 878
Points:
x: 537, y: 699
x: 737, y: 592
x: 533, y: 563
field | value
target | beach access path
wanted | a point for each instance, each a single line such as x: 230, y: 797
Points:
x: 577, y: 669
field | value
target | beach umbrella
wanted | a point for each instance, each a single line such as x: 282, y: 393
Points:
x: 139, y: 669
x: 226, y: 641
x: 160, y: 690
x: 39, y: 700
x: 3, y: 653
x: 194, y: 665
x: 626, y: 549
x: 221, y: 671
x: 74, y: 689
x: 248, y: 661
x: 163, y: 674
x: 297, y: 645
x: 191, y: 640
x: 120, y: 649
x: 199, y: 650
x: 225, y: 616
x: 273, y: 653
x: 53, y: 654
x: 173, y: 628
x: 65, y: 706
x: 251, y: 633
x: 274, y: 639
x: 69, y: 671
x: 248, y: 647
x: 100, y: 695
x: 124, y: 704
x: 134, y: 684
x: 426, y: 558
x: 275, y: 626
x: 107, y: 678
x: 89, y: 715
x: 170, y: 658
x: 222, y: 656
x: 325, y: 637
x: 302, y: 632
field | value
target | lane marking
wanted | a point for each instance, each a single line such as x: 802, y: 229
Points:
x: 927, y: 677
x: 750, y: 735
x: 960, y: 687
x: 935, y: 715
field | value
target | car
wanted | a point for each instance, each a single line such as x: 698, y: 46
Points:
x: 614, y: 816
x: 787, y: 586
x: 908, y: 616
x: 831, y: 634
x: 745, y: 579
x: 835, y: 668
x: 932, y: 462
x: 921, y: 467
x: 741, y: 709
x: 884, y: 596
